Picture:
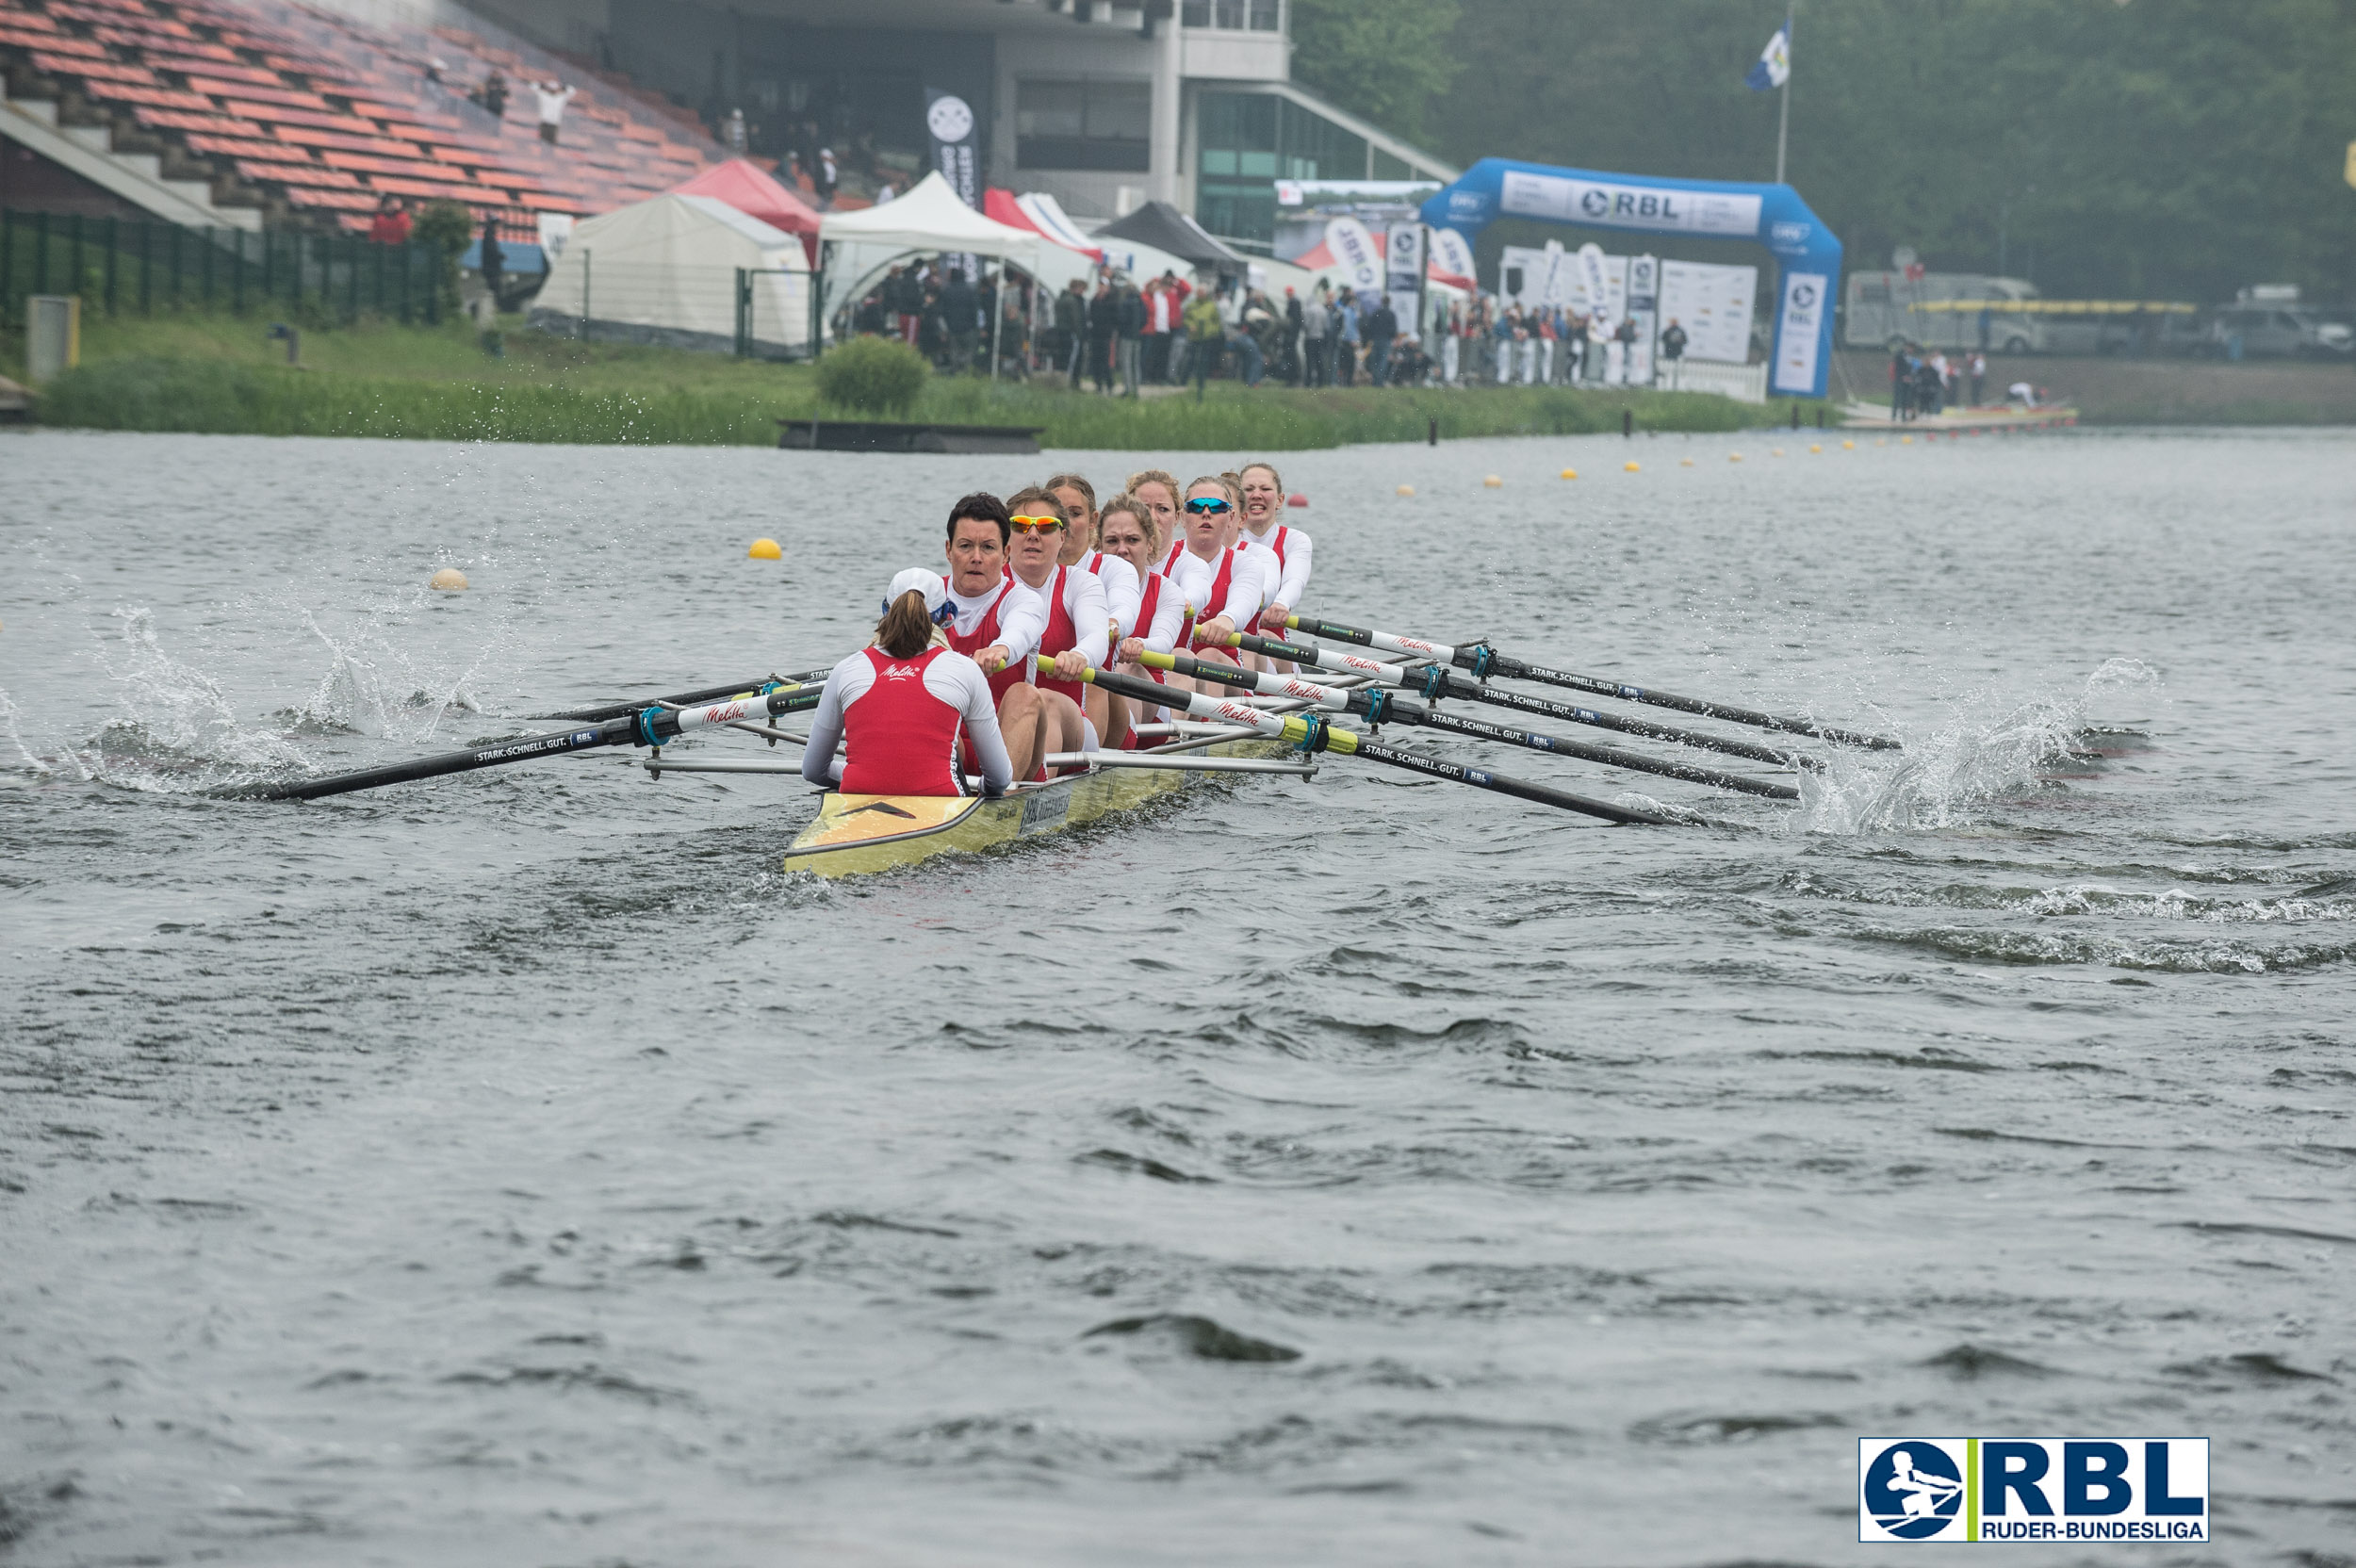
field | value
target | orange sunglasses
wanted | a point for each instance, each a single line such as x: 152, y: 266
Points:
x: 1036, y: 524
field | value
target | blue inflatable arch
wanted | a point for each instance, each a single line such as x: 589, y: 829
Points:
x: 1807, y: 254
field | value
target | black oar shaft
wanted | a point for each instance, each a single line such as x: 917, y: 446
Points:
x: 1521, y: 788
x: 633, y: 729
x: 685, y: 699
x: 1440, y: 684
x: 1380, y: 707
x: 1480, y: 657
x: 1349, y: 744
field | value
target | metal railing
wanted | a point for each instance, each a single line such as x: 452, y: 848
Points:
x: 133, y: 266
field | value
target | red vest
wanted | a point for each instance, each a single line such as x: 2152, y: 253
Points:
x: 900, y: 739
x: 1220, y: 585
x: 1060, y: 637
x: 983, y: 636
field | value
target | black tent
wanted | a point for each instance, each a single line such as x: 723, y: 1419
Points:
x: 1165, y: 228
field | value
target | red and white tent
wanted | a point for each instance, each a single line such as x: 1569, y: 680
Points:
x: 1043, y: 214
x: 755, y: 192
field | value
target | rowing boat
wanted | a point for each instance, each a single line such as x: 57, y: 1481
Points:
x: 856, y: 834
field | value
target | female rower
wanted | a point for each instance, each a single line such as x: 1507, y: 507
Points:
x: 1125, y: 529
x: 1080, y: 547
x: 1234, y: 598
x: 1263, y: 495
x: 1078, y: 633
x: 904, y: 707
x: 1159, y: 489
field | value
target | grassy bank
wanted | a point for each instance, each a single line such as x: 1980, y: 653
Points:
x: 221, y: 375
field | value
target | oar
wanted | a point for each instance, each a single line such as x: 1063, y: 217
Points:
x: 649, y: 726
x: 1381, y: 706
x: 1484, y: 662
x: 1312, y: 733
x: 710, y: 694
x: 1433, y: 681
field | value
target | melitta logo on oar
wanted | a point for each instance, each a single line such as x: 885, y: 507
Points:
x: 2050, y: 1489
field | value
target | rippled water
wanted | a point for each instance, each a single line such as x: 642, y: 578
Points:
x: 519, y: 1168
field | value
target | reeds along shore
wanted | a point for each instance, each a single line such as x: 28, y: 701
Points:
x: 222, y: 397
x: 220, y: 376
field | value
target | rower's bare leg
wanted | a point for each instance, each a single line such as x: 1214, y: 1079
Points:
x: 1100, y: 707
x: 1062, y: 728
x: 1115, y: 732
x: 1023, y: 723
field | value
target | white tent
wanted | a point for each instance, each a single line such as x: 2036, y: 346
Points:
x: 665, y: 270
x: 929, y: 220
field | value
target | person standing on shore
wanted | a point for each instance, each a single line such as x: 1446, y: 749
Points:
x: 1072, y: 322
x: 1979, y: 376
x: 1129, y: 332
x: 1346, y: 337
x: 1381, y: 326
x: 1316, y: 321
x: 1103, y: 319
x: 1206, y: 334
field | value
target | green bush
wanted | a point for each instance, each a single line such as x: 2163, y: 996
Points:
x: 873, y: 375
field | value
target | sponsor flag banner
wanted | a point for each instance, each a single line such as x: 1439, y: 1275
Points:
x: 1802, y: 318
x: 2002, y: 1490
x: 1643, y: 297
x: 1774, y: 61
x: 1356, y: 253
x: 1404, y: 273
x: 949, y: 121
x: 1453, y: 258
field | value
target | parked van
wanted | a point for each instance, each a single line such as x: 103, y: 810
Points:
x: 1876, y: 316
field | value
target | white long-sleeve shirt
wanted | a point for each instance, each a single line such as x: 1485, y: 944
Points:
x: 1022, y: 619
x: 1247, y: 583
x: 1294, y: 575
x: 1192, y: 573
x: 1091, y: 622
x: 1121, y: 586
x: 1169, y: 614
x: 951, y: 678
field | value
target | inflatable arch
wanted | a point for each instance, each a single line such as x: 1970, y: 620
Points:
x: 1807, y: 252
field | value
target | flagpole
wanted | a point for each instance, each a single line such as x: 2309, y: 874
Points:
x: 1783, y: 117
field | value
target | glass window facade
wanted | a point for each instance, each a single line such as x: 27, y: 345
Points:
x: 1259, y: 16
x: 1083, y: 124
x: 1249, y: 140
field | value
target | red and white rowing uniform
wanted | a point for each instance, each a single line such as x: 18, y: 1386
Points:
x: 1291, y: 548
x: 1008, y: 616
x: 901, y: 721
x: 1192, y: 575
x: 1077, y: 619
x: 1158, y: 615
x: 1237, y: 587
x: 1121, y: 584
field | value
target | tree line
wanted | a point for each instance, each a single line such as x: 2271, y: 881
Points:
x: 2102, y: 148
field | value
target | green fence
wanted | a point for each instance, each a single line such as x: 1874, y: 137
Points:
x: 128, y: 266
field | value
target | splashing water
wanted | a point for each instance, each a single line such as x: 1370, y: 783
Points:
x: 1989, y: 748
x: 178, y: 731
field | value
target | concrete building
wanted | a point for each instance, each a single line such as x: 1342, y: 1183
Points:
x: 1104, y: 105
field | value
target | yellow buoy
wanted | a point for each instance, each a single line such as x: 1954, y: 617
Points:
x: 1777, y: 452
x: 1406, y: 489
x: 1685, y: 462
x: 1906, y: 440
x: 764, y: 549
x: 1848, y: 446
x: 1492, y: 482
x: 1734, y: 457
x: 1570, y: 473
x: 450, y: 579
x: 1631, y: 465
x: 1816, y: 449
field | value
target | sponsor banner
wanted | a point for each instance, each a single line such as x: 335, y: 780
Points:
x: 1612, y: 205
x: 949, y: 121
x: 1602, y: 283
x: 1800, y: 326
x: 1451, y: 258
x: 1403, y: 274
x: 1355, y: 251
x: 1644, y: 296
x: 2078, y: 1490
x: 1713, y: 304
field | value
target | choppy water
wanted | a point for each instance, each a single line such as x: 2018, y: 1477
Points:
x: 517, y: 1169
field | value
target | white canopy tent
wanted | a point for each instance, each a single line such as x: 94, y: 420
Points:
x: 666, y: 271
x: 929, y: 220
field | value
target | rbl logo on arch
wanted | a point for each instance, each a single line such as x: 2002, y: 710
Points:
x: 2055, y: 1489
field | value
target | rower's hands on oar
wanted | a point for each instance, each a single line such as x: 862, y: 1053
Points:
x: 991, y: 659
x: 1130, y: 648
x: 1217, y: 630
x: 1272, y: 618
x: 1071, y: 664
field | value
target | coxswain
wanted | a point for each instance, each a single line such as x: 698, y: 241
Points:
x: 997, y: 622
x: 905, y: 709
x: 1082, y: 548
x: 1073, y: 716
x: 1126, y: 528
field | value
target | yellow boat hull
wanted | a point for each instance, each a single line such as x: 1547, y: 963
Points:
x: 853, y: 835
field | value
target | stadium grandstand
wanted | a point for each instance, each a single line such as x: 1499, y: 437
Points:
x: 271, y: 115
